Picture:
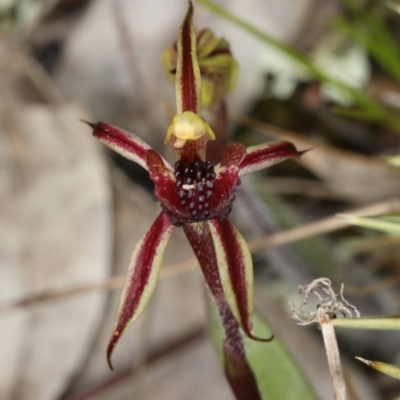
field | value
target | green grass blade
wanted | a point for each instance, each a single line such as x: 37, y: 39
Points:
x: 392, y: 160
x: 374, y: 26
x: 294, y: 54
x: 385, y: 322
x: 382, y: 51
x: 395, y: 6
x: 388, y: 369
x: 305, y: 62
x: 389, y: 224
x: 277, y: 374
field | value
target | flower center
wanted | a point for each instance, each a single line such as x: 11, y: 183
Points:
x: 194, y: 185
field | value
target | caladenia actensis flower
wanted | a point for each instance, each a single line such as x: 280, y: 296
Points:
x: 197, y: 195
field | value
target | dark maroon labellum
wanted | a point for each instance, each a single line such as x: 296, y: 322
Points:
x: 194, y: 182
x: 197, y: 193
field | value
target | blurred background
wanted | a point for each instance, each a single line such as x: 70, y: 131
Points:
x: 71, y: 211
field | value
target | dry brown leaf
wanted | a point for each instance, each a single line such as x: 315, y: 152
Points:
x: 23, y: 79
x: 55, y: 232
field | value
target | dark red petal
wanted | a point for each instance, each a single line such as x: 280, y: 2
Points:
x: 236, y: 271
x: 267, y: 154
x: 234, y: 155
x: 141, y: 278
x: 220, y: 125
x: 156, y: 164
x: 188, y: 80
x: 237, y: 369
x: 165, y: 189
x: 125, y: 143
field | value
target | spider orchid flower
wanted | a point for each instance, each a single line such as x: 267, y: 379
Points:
x: 198, y: 196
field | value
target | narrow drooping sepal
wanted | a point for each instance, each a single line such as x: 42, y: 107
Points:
x: 235, y: 268
x: 188, y: 79
x: 164, y: 186
x: 125, y: 143
x: 237, y: 368
x: 226, y: 181
x: 141, y: 278
x: 267, y: 154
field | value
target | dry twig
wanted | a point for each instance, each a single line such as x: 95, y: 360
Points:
x: 325, y: 225
x: 329, y: 307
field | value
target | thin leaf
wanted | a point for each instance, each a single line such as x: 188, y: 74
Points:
x: 301, y: 58
x: 141, y: 278
x: 304, y: 61
x: 374, y: 27
x: 385, y: 322
x: 277, y: 375
x: 385, y: 224
x: 388, y: 369
x: 294, y: 54
x: 392, y: 160
x: 365, y: 113
x: 381, y: 51
x: 394, y: 5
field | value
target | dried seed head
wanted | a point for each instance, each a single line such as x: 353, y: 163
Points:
x: 330, y: 304
x: 329, y: 307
